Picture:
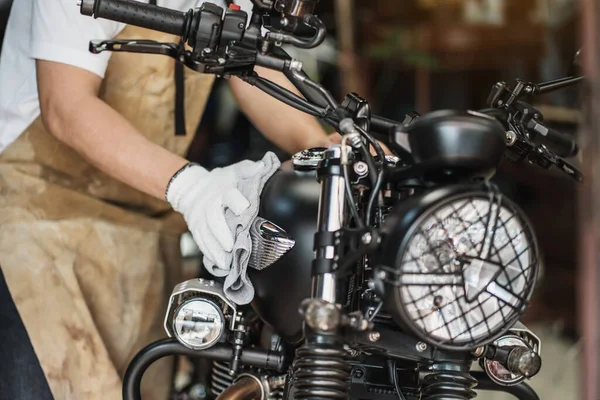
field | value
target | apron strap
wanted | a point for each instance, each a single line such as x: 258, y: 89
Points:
x: 179, y: 99
x: 180, y: 91
x: 179, y: 95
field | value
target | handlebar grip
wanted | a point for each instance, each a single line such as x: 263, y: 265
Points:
x: 382, y: 125
x: 135, y: 13
x: 562, y: 144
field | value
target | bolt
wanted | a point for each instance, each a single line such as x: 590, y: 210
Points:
x: 511, y: 138
x: 381, y: 275
x: 295, y: 65
x: 358, y: 373
x: 221, y: 61
x: 421, y: 346
x: 367, y: 238
x: 478, y: 352
x: 207, y: 50
x: 322, y: 316
x: 241, y: 25
x: 285, y: 22
x: 198, y: 391
x: 361, y: 168
x: 363, y: 325
x: 374, y: 336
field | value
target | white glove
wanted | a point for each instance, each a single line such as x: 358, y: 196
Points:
x: 204, y: 197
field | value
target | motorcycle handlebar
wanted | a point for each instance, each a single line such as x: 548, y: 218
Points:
x: 382, y: 125
x: 559, y: 143
x: 139, y: 14
x: 176, y: 22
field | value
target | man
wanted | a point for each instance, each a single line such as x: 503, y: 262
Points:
x: 88, y: 246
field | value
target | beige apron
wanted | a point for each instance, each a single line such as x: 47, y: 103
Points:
x: 89, y: 261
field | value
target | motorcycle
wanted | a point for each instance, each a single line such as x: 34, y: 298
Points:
x: 375, y: 276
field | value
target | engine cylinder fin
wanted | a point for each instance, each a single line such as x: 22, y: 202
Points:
x: 220, y: 378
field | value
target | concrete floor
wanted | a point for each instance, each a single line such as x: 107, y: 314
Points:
x: 559, y: 378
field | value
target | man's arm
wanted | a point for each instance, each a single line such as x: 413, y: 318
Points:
x: 73, y: 113
x: 288, y: 128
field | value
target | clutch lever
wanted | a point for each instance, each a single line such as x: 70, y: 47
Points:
x: 135, y: 46
x: 569, y: 169
x: 541, y: 156
x: 237, y: 61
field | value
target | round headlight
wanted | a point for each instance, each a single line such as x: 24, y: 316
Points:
x: 198, y: 323
x: 460, y: 266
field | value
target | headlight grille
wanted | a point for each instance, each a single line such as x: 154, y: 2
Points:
x: 467, y: 270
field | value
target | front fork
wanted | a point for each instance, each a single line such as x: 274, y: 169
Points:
x: 321, y: 369
x: 330, y: 219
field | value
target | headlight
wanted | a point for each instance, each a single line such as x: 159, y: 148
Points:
x: 459, y: 265
x: 198, y: 323
x: 199, y: 313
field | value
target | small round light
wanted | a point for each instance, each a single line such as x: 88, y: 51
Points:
x: 198, y: 324
x: 503, y: 375
x: 465, y: 266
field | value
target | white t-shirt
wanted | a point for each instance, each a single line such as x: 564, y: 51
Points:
x: 53, y: 30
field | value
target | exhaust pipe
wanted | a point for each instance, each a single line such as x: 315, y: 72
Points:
x: 248, y: 387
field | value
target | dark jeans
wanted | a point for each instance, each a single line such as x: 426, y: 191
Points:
x: 21, y: 377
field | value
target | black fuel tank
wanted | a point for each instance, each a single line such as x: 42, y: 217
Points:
x: 291, y: 200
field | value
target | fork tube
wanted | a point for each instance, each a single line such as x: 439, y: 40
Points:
x: 330, y: 219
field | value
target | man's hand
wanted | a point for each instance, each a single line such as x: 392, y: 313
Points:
x: 220, y: 207
x: 214, y: 206
x: 289, y: 129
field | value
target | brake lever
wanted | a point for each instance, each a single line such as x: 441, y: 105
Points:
x: 135, y: 46
x: 541, y: 156
x: 569, y: 169
x: 237, y: 60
